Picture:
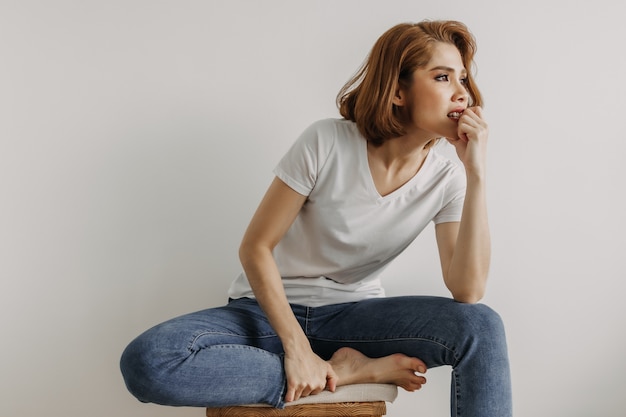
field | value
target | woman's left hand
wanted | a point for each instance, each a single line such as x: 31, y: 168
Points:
x: 471, y: 140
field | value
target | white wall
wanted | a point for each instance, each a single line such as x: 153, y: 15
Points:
x: 136, y: 138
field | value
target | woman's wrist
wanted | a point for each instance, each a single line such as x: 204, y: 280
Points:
x: 475, y: 176
x: 295, y: 341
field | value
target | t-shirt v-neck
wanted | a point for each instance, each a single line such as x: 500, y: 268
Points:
x: 367, y: 172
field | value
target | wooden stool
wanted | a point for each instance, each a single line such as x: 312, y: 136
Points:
x: 359, y: 400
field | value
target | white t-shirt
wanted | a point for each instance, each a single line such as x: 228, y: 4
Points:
x: 347, y: 233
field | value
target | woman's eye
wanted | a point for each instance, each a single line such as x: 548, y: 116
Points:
x: 464, y: 81
x: 442, y: 77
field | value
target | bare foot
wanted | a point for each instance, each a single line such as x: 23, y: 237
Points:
x: 352, y: 367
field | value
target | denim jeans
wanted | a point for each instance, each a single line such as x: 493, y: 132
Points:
x: 231, y: 355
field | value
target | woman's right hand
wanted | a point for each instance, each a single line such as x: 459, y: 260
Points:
x: 307, y: 374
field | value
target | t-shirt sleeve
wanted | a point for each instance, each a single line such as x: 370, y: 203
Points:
x: 300, y: 166
x: 453, y: 200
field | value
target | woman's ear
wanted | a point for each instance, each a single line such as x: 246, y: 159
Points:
x: 399, y: 98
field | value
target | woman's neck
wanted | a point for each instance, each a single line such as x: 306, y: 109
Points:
x: 401, y: 151
x: 395, y: 162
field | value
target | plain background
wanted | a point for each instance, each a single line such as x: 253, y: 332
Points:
x: 137, y: 137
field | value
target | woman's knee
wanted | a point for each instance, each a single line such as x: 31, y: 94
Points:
x: 469, y: 320
x: 136, y: 369
x: 482, y: 326
x: 483, y: 318
x: 145, y: 362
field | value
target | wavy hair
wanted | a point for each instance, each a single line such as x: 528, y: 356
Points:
x: 366, y: 98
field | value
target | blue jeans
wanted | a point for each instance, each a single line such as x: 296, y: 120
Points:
x: 231, y: 355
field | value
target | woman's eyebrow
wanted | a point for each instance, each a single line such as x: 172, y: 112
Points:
x: 445, y: 68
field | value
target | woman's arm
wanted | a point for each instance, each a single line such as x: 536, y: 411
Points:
x: 306, y: 372
x: 465, y: 247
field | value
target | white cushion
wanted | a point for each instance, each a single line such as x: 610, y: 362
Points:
x: 352, y: 393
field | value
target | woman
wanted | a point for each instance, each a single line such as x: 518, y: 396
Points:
x: 309, y: 313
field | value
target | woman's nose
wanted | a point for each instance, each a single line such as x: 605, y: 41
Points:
x: 460, y: 93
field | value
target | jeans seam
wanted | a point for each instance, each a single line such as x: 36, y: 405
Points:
x: 307, y: 318
x: 280, y: 402
x: 455, y: 405
x: 195, y: 338
x: 390, y: 339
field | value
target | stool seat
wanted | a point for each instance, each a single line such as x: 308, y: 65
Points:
x: 360, y: 400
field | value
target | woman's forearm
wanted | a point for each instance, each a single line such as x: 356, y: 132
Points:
x: 469, y: 267
x: 264, y: 277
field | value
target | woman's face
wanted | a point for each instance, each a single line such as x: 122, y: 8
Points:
x: 437, y: 95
